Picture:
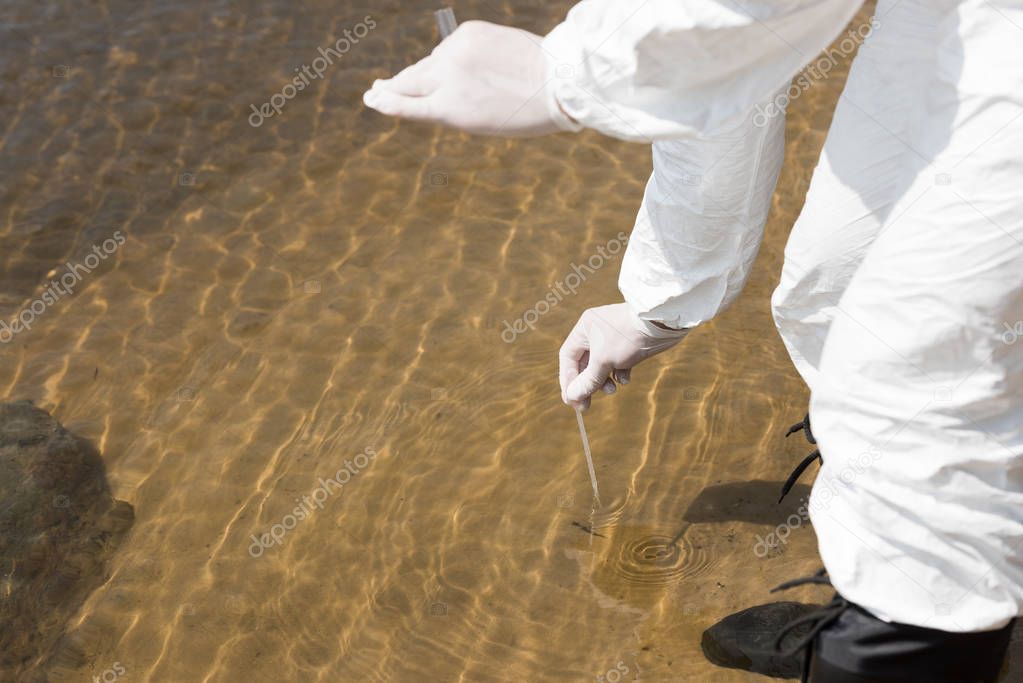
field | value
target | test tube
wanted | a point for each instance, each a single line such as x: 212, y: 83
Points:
x: 446, y: 23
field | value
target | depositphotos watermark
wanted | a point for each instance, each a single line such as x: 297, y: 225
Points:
x: 614, y: 674
x: 556, y: 294
x: 315, y: 499
x: 307, y: 73
x: 63, y: 286
x: 111, y: 674
x: 815, y: 71
x: 1013, y: 333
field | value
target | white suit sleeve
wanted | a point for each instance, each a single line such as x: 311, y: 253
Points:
x: 689, y: 75
x: 701, y: 222
x: 675, y: 68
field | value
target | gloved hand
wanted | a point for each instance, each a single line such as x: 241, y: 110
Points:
x: 483, y: 78
x: 603, y: 346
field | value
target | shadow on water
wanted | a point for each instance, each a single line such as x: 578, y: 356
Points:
x: 58, y: 527
x: 754, y: 501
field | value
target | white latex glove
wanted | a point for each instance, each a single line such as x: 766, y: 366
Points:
x: 483, y: 78
x: 603, y: 346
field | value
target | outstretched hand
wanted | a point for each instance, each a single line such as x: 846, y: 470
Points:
x: 483, y: 78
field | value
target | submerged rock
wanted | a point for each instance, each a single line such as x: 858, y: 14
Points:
x: 58, y: 526
x: 745, y: 640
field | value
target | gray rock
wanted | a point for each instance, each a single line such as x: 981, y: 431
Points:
x: 58, y: 526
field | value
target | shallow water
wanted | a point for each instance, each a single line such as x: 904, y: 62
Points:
x: 290, y: 295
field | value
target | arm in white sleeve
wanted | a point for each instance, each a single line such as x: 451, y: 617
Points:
x: 701, y: 221
x: 676, y: 68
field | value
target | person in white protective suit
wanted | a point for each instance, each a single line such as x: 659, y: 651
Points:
x: 900, y: 294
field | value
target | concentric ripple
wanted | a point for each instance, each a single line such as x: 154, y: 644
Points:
x: 659, y: 559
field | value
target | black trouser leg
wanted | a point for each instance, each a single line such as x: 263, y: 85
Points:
x: 860, y: 648
x: 822, y: 672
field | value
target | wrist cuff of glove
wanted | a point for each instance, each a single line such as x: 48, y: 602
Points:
x: 657, y: 332
x: 560, y: 118
x: 554, y: 110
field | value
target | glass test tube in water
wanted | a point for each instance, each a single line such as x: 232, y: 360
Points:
x: 589, y: 457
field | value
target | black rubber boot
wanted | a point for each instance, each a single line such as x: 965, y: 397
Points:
x: 746, y: 640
